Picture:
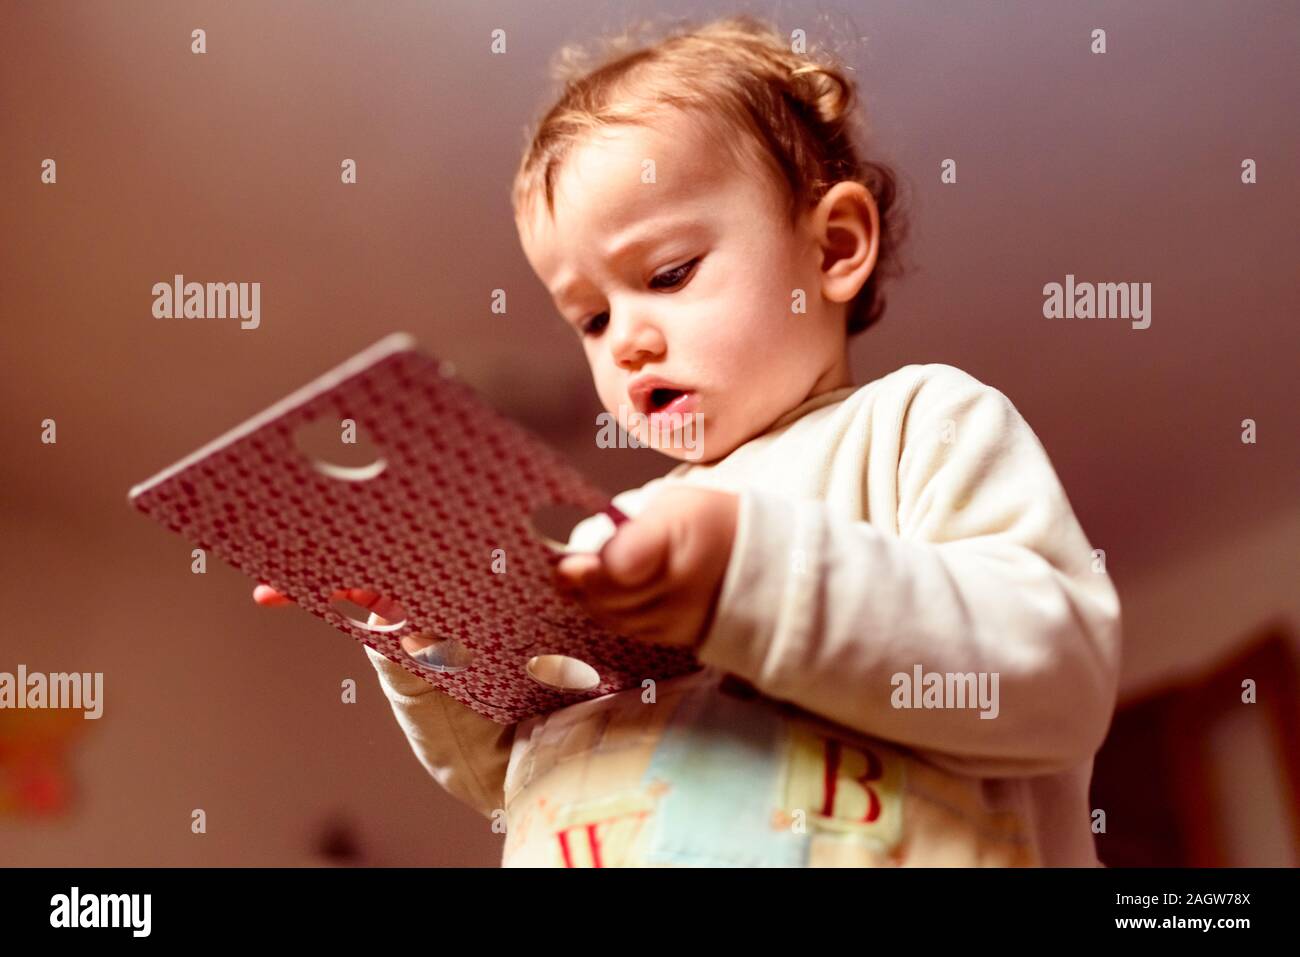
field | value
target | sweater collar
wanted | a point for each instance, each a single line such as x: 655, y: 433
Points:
x: 809, y: 405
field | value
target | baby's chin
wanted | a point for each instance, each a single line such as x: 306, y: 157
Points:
x: 696, y: 442
x: 680, y: 445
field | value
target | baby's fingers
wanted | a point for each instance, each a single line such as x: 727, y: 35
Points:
x: 572, y: 572
x: 604, y: 600
x: 268, y: 597
x: 637, y: 553
x: 383, y: 610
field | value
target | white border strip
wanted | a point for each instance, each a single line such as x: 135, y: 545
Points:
x: 396, y: 342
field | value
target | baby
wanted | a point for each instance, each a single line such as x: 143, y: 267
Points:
x: 861, y: 570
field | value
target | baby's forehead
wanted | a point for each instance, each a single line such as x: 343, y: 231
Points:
x: 654, y: 162
x: 671, y: 161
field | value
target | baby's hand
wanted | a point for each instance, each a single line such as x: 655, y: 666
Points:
x: 658, y: 578
x: 268, y: 597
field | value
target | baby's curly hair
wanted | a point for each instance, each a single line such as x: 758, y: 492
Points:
x: 795, y: 113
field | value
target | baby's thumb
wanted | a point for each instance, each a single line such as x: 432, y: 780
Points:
x: 636, y: 553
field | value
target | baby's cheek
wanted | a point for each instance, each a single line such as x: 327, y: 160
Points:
x: 611, y: 396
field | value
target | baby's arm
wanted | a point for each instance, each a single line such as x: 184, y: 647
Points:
x: 465, y: 752
x: 989, y: 572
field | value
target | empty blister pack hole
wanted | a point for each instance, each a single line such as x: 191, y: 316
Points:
x: 562, y: 673
x: 368, y: 609
x: 553, y: 526
x: 447, y: 655
x: 339, y: 448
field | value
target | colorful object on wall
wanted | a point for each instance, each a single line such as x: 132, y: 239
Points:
x: 35, y: 780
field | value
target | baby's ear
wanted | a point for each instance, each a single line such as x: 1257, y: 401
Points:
x: 846, y: 225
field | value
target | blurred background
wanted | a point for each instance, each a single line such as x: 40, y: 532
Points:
x: 225, y: 166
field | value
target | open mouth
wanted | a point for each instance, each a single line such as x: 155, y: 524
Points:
x: 665, y: 406
x: 660, y: 399
x: 655, y: 396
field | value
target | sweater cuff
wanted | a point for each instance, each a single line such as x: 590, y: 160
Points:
x: 765, y: 606
x: 397, y: 682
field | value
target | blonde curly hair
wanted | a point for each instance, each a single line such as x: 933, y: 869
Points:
x: 795, y: 113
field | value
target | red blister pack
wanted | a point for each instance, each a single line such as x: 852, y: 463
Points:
x: 440, y: 525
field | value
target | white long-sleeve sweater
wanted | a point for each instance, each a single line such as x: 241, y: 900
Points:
x: 910, y: 527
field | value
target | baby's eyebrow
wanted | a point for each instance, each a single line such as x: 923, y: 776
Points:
x: 622, y: 249
x: 647, y: 235
x: 624, y: 245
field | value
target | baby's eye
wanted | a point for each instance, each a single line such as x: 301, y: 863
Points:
x: 596, y: 324
x: 674, y: 277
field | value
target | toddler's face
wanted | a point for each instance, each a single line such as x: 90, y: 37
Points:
x: 679, y: 270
